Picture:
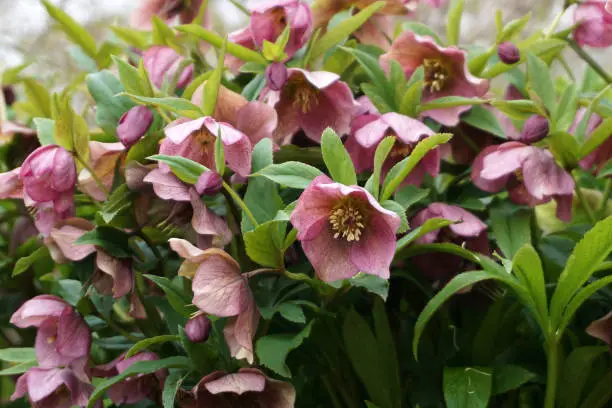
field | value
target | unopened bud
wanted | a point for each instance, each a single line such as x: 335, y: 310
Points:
x: 535, y: 129
x: 276, y: 75
x: 198, y: 329
x: 134, y: 124
x: 508, y: 53
x: 209, y: 183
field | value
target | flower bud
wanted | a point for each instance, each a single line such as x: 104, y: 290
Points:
x: 198, y: 329
x: 134, y: 124
x: 209, y: 183
x: 508, y: 53
x: 535, y: 129
x: 47, y: 173
x: 276, y: 75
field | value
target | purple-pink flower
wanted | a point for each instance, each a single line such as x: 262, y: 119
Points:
x: 446, y: 73
x: 53, y: 388
x: 312, y: 102
x: 103, y: 161
x: 343, y: 230
x: 168, y: 10
x: 530, y: 174
x: 595, y: 24
x: 48, y: 174
x: 162, y: 63
x: 598, y: 158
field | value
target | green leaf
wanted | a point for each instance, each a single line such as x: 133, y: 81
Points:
x: 450, y: 102
x: 540, y: 81
x: 400, y: 171
x: 140, y: 367
x: 411, y: 101
x: 600, y: 394
x: 430, y: 225
x: 265, y: 244
x: 565, y: 148
x: 44, y: 130
x: 519, y: 110
x: 337, y: 159
x: 24, y: 263
x: 371, y: 283
x: 163, y: 34
x: 38, y: 96
x: 511, y: 228
x: 467, y: 387
x: 372, y: 68
x: 146, y: 343
x: 252, y: 90
x: 591, y: 251
x: 509, y: 377
x: 377, y: 97
x: 597, y: 137
x: 575, y: 373
x: 400, y: 211
x: 219, y: 154
x: 185, y: 169
x: 565, y: 112
x: 291, y: 174
x: 513, y: 28
x: 71, y: 131
x: 73, y: 30
x: 211, y: 88
x: 388, y: 354
x: 528, y: 267
x: 180, y: 106
x: 409, y: 195
x: 174, y: 294
x: 272, y: 350
x: 131, y: 79
x: 582, y: 296
x: 215, y: 40
x: 119, y: 201
x: 342, y: 30
x: 171, y: 386
x: 453, y: 22
x: 18, y: 355
x: 18, y: 368
x: 382, y: 151
x: 104, y: 88
x: 484, y: 119
x: 111, y: 239
x: 422, y: 30
x: 136, y: 38
x: 292, y: 312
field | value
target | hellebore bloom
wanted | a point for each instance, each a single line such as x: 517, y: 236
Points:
x: 467, y: 230
x: 595, y: 24
x: 370, y: 130
x: 135, y: 388
x: 248, y: 387
x: 195, y: 140
x: 52, y: 388
x: 220, y: 289
x: 268, y: 20
x: 603, y: 153
x: 103, y: 160
x: 311, y: 101
x: 162, y: 63
x: 344, y: 230
x: 446, y: 73
x: 508, y: 53
x: 531, y: 175
x: 49, y: 174
x: 167, y: 10
x: 602, y: 329
x: 198, y: 328
x: 134, y: 124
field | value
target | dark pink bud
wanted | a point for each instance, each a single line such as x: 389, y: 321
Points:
x: 209, y: 183
x: 134, y: 124
x: 535, y: 129
x: 276, y: 75
x: 47, y: 173
x: 198, y: 329
x: 508, y: 53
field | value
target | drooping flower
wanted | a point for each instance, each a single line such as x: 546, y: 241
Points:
x: 446, y: 73
x: 53, y: 388
x: 467, y: 230
x: 311, y: 101
x: 268, y: 20
x: 602, y: 329
x: 530, y: 174
x: 248, y: 387
x: 134, y: 124
x: 134, y: 388
x: 220, y: 289
x: 168, y: 10
x: 603, y: 153
x: 103, y: 161
x: 343, y: 230
x: 162, y: 64
x: 48, y: 174
x: 370, y: 129
x: 595, y: 24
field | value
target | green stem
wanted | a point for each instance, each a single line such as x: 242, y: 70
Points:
x: 93, y: 174
x: 552, y: 373
x: 240, y: 203
x: 585, y: 204
x: 606, y: 196
x: 589, y: 60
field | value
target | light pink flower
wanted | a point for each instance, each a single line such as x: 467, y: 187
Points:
x: 311, y: 101
x: 247, y: 387
x: 53, y: 388
x: 162, y: 63
x: 344, y: 230
x: 11, y: 185
x: 38, y: 309
x: 446, y: 73
x: 220, y: 289
x: 599, y: 157
x: 531, y: 175
x: 195, y: 140
x: 103, y: 160
x: 168, y: 10
x: 370, y: 130
x: 48, y: 174
x: 602, y: 329
x: 595, y: 28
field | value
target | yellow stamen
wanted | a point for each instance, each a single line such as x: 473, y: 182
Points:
x: 205, y: 138
x: 304, y: 95
x: 347, y: 220
x: 400, y: 150
x: 51, y: 339
x: 436, y: 75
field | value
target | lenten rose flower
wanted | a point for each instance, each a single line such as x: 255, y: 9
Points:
x: 167, y: 10
x: 344, y: 230
x: 311, y: 101
x: 602, y: 329
x: 603, y: 153
x: 162, y: 64
x: 467, y: 230
x: 446, y: 73
x: 48, y: 174
x: 220, y: 289
x: 103, y: 161
x: 248, y: 387
x: 53, y: 388
x: 195, y: 140
x: 531, y: 175
x: 371, y: 130
x: 595, y: 24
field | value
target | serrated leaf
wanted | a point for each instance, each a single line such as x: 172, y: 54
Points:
x: 272, y: 350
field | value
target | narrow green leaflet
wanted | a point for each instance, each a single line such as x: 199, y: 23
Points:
x: 272, y: 350
x: 138, y: 39
x: 185, y: 169
x: 337, y: 159
x: 467, y: 387
x: 450, y: 102
x: 575, y: 373
x: 180, y: 106
x: 291, y: 174
x: 430, y: 225
x: 18, y: 368
x: 146, y: 343
x: 74, y: 30
x: 528, y: 267
x: 597, y: 137
x: 482, y: 118
x: 372, y: 68
x: 24, y: 263
x: 565, y: 112
x: 171, y: 386
x: 509, y: 377
x: 111, y: 239
x: 382, y: 151
x: 130, y: 78
x: 453, y: 22
x: 582, y: 296
x: 540, y: 81
x: 18, y: 355
x: 511, y: 228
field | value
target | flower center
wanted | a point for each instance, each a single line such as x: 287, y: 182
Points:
x: 347, y: 220
x: 205, y: 138
x: 304, y: 95
x: 436, y: 75
x: 400, y: 150
x: 51, y: 339
x: 278, y: 15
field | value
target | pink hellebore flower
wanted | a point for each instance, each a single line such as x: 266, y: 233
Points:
x: 48, y: 174
x: 11, y: 185
x: 53, y: 388
x: 600, y: 156
x: 168, y: 10
x: 311, y: 101
x: 344, y: 230
x: 103, y: 160
x: 195, y: 140
x: 531, y: 175
x: 135, y: 388
x: 162, y: 63
x: 595, y: 24
x: 370, y: 130
x: 248, y: 387
x: 220, y: 289
x: 602, y: 329
x: 467, y: 230
x: 446, y: 73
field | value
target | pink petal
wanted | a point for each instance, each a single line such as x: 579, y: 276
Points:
x: 239, y: 332
x: 167, y: 186
x: 504, y: 160
x: 118, y: 270
x: 330, y: 257
x: 238, y: 383
x: 543, y: 177
x: 373, y: 253
x: 313, y: 209
x: 38, y: 309
x: 257, y: 120
x: 65, y: 236
x: 206, y: 222
x: 11, y: 185
x: 602, y: 329
x: 236, y: 144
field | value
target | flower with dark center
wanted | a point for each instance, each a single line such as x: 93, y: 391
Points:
x: 436, y: 75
